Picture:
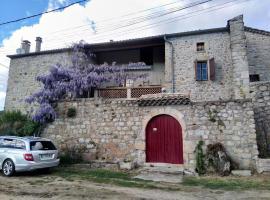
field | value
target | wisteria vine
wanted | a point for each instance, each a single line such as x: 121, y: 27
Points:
x: 69, y: 82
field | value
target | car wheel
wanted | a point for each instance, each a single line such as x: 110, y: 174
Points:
x: 8, y: 168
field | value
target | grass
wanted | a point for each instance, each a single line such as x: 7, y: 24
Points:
x: 123, y: 179
x: 229, y: 183
x: 126, y: 179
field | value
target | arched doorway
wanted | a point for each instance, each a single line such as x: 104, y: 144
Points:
x: 164, y: 142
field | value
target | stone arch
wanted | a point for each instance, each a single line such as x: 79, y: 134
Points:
x: 167, y: 111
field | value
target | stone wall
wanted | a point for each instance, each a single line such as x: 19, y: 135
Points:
x: 239, y: 58
x: 261, y: 102
x: 113, y: 130
x: 22, y: 77
x: 217, y: 46
x: 258, y: 52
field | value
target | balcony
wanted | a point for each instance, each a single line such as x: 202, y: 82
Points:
x: 127, y: 92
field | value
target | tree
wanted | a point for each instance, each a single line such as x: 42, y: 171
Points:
x: 69, y: 82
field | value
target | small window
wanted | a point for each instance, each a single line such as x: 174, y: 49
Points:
x: 201, y: 71
x: 254, y: 77
x: 200, y: 46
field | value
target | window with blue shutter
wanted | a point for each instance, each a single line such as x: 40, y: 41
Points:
x: 201, y: 71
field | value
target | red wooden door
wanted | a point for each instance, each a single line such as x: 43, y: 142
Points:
x: 164, y: 140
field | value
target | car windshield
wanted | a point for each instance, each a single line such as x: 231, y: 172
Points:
x: 41, y: 145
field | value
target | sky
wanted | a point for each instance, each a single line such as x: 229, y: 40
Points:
x: 103, y: 20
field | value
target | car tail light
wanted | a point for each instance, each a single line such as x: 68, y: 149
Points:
x: 28, y: 157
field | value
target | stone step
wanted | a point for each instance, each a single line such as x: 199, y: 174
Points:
x: 263, y: 165
x: 165, y: 170
x: 161, y: 177
x: 163, y: 173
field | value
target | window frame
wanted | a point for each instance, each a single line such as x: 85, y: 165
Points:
x: 201, y: 62
x: 199, y: 45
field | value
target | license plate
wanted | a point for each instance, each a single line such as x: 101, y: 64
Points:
x: 45, y: 156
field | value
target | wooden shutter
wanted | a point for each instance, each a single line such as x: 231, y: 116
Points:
x: 195, y: 69
x: 212, y: 69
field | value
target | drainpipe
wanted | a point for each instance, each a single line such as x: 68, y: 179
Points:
x: 172, y: 63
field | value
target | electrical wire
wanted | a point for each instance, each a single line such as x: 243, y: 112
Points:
x: 132, y: 23
x: 170, y: 20
x: 42, y: 13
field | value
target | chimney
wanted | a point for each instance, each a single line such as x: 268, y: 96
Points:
x: 38, y: 43
x: 26, y: 46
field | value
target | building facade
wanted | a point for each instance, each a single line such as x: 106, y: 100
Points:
x: 201, y: 85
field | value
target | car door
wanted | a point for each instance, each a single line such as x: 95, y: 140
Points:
x: 6, y: 145
x: 1, y: 151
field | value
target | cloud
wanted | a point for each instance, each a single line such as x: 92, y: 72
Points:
x: 56, y: 4
x: 74, y: 23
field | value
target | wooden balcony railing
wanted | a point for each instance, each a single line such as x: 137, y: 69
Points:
x: 128, y: 92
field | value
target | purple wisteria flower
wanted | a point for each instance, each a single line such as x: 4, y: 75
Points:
x: 73, y: 81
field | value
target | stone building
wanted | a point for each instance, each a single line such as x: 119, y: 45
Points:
x: 209, y: 85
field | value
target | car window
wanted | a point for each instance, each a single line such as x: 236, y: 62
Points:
x: 41, y: 145
x: 1, y: 142
x: 12, y: 143
x: 20, y: 144
x: 8, y: 143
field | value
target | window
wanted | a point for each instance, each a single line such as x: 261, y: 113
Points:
x: 201, y: 71
x: 205, y: 70
x: 254, y: 77
x: 200, y: 46
x: 12, y: 143
x: 7, y: 143
x: 20, y: 144
x: 41, y: 145
x: 146, y: 55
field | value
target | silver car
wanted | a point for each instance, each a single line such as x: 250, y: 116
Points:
x: 26, y: 154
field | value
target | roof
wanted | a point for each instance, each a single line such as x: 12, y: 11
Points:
x: 254, y: 30
x: 138, y: 42
x: 164, y: 99
x: 156, y: 40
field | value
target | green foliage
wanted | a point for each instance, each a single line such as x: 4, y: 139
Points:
x: 71, y: 112
x: 16, y: 123
x: 200, y: 166
x: 217, y: 158
x: 228, y: 183
x: 212, y: 115
x: 72, y: 155
x: 104, y: 176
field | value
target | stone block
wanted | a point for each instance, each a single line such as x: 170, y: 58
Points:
x: 126, y: 165
x: 241, y: 172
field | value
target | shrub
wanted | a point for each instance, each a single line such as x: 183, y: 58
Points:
x: 71, y: 112
x: 72, y: 154
x: 18, y: 124
x: 200, y: 166
x: 217, y: 158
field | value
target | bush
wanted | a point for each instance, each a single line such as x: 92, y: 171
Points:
x: 200, y: 165
x: 72, y: 154
x: 18, y: 124
x: 71, y: 112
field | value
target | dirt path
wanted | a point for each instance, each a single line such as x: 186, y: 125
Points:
x: 51, y: 187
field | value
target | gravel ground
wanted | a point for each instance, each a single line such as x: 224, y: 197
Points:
x: 52, y: 187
